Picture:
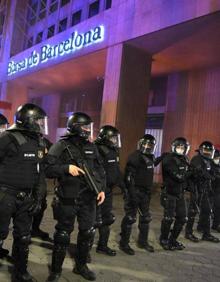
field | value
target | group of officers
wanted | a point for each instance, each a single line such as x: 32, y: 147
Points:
x: 86, y: 173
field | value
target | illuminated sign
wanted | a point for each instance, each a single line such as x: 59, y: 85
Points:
x: 47, y: 52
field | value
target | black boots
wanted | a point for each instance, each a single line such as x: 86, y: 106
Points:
x: 126, y: 248
x: 102, y: 248
x: 20, y: 253
x: 84, y: 271
x: 125, y: 237
x: 192, y: 237
x: 143, y: 238
x: 209, y: 237
x: 58, y: 256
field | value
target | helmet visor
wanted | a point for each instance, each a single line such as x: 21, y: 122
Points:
x: 87, y: 131
x: 116, y: 140
x: 3, y: 127
x: 146, y: 146
x: 43, y: 125
x: 208, y: 153
x: 181, y: 149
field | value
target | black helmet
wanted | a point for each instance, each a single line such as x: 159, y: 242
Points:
x: 3, y: 123
x: 178, y: 143
x: 32, y: 118
x: 80, y: 124
x: 110, y: 136
x: 207, y: 149
x: 147, y: 144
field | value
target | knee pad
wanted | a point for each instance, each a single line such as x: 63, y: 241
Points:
x: 87, y: 234
x: 145, y: 218
x: 61, y: 237
x: 168, y: 219
x: 24, y: 240
x: 108, y: 220
x: 130, y: 219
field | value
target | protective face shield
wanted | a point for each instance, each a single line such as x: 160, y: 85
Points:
x: 180, y: 146
x: 182, y: 150
x: 146, y: 147
x: 216, y: 161
x: 42, y: 123
x: 208, y: 153
x: 3, y: 127
x: 86, y: 131
x: 116, y: 140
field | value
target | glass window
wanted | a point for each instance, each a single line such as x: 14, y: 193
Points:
x: 76, y: 17
x: 93, y: 9
x: 50, y: 31
x: 108, y: 4
x: 42, y: 10
x: 53, y: 6
x: 64, y: 2
x: 63, y: 25
x: 32, y: 11
x: 39, y: 37
x: 30, y: 42
x: 2, y: 19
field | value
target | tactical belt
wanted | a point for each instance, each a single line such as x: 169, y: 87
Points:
x: 18, y: 194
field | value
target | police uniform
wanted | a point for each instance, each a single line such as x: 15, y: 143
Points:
x: 202, y: 186
x: 139, y: 181
x: 21, y: 153
x: 75, y: 199
x: 174, y: 171
x: 110, y: 160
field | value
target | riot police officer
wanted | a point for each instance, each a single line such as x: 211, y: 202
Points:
x: 108, y: 143
x: 139, y: 181
x: 37, y: 219
x: 3, y: 126
x: 174, y: 170
x: 21, y: 153
x: 65, y: 160
x: 216, y: 191
x: 201, y: 195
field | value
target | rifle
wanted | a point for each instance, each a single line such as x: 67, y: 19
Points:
x: 88, y: 176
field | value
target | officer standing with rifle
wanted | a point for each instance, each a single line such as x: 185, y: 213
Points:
x: 76, y: 164
x: 202, y: 175
x: 21, y: 154
x: 108, y: 143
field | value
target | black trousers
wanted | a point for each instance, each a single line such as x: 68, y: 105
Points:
x: 142, y: 208
x: 16, y: 209
x: 204, y: 204
x: 67, y: 211
x: 107, y: 218
x: 174, y: 212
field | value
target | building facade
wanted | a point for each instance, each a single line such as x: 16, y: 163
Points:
x: 137, y: 64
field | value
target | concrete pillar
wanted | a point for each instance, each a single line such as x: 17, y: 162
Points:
x: 193, y: 107
x: 125, y: 94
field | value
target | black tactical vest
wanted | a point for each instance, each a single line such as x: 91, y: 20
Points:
x: 20, y: 167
